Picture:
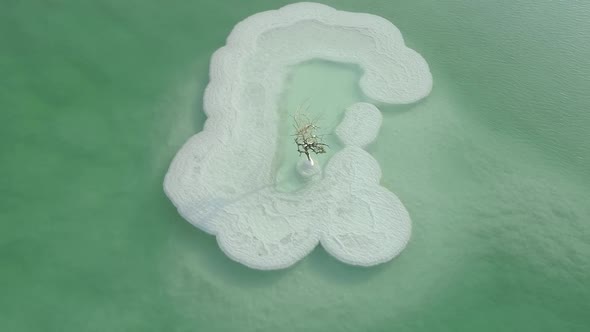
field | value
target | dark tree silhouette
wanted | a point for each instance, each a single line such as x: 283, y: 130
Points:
x: 306, y: 138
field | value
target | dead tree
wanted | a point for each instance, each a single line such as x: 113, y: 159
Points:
x: 307, y: 139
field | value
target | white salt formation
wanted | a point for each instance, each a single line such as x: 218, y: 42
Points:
x: 356, y: 220
x: 221, y: 181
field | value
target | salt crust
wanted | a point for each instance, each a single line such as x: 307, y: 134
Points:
x: 223, y: 183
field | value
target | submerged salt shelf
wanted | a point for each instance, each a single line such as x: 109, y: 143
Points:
x: 221, y: 181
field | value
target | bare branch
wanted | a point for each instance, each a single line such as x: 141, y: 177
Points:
x: 305, y: 135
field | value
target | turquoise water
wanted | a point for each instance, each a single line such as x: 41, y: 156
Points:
x: 97, y: 96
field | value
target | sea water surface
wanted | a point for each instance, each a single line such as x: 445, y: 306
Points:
x: 494, y: 167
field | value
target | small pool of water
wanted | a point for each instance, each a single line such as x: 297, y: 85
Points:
x: 320, y: 91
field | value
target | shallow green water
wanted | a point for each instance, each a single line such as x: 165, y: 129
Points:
x: 494, y: 167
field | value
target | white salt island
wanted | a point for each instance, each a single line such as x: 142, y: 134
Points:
x: 222, y: 183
